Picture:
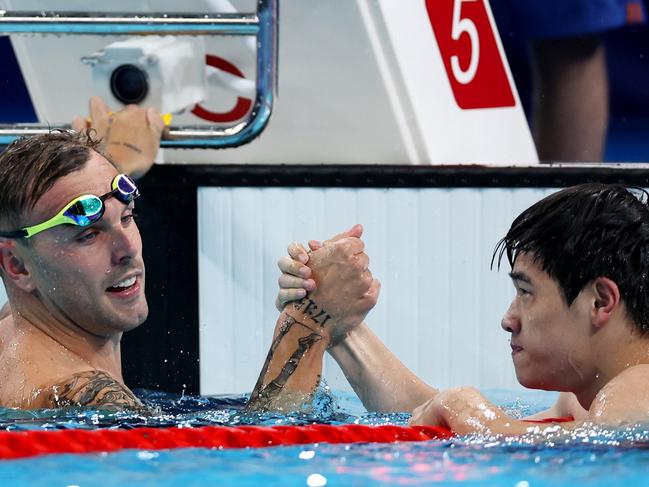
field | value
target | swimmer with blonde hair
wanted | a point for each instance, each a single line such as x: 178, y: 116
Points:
x: 71, y: 262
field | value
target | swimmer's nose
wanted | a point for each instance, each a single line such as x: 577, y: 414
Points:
x: 126, y: 244
x: 511, y: 321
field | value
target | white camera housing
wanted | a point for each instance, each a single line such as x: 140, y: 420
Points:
x: 166, y: 72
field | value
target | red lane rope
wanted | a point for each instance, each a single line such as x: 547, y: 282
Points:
x: 567, y: 419
x: 22, y: 444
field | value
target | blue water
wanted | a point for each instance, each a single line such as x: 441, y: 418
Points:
x: 593, y: 458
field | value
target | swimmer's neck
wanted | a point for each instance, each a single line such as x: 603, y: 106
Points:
x: 39, y: 323
x: 617, y: 351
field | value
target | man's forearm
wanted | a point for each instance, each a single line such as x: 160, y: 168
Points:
x: 465, y: 411
x: 293, y: 366
x: 379, y: 378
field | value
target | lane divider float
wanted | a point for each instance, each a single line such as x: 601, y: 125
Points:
x: 23, y: 444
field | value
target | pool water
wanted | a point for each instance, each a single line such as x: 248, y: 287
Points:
x: 593, y: 458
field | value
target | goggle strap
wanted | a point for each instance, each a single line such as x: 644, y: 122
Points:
x: 59, y: 219
x: 17, y: 234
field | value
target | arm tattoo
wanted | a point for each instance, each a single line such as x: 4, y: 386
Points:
x: 312, y: 310
x: 263, y: 396
x: 286, y: 325
x: 93, y: 388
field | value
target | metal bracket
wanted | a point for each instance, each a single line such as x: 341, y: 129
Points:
x: 263, y: 25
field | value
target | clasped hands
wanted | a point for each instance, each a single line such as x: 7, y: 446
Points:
x: 345, y: 291
x: 334, y: 276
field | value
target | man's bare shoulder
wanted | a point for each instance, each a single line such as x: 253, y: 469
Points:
x: 30, y: 360
x: 87, y: 388
x: 623, y: 399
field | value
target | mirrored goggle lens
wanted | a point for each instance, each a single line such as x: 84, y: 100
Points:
x: 86, y: 210
x: 126, y: 189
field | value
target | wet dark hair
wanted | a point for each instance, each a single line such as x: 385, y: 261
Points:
x: 30, y: 166
x: 584, y: 232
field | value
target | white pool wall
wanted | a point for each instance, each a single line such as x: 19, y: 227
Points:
x: 440, y: 305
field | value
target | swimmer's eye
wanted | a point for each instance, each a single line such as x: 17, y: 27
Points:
x: 87, y: 236
x: 129, y: 217
x: 522, y: 292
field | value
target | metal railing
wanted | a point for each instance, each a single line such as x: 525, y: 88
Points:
x: 263, y: 25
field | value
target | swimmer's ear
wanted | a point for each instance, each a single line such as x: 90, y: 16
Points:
x: 606, y: 300
x: 13, y: 266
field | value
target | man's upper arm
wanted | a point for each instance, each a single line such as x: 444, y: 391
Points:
x: 89, y: 388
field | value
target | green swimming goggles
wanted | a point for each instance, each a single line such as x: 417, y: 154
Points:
x: 84, y: 210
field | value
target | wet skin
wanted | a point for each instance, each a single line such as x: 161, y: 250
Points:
x: 73, y: 292
x: 72, y: 268
x: 547, y: 335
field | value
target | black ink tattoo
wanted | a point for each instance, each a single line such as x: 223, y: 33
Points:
x: 262, y: 396
x: 310, y: 308
x: 309, y: 305
x: 94, y: 388
x: 303, y: 346
x: 321, y: 318
x: 285, y: 327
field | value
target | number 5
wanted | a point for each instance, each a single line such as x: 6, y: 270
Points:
x: 461, y: 26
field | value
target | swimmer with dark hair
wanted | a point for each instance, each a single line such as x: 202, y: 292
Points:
x: 578, y: 323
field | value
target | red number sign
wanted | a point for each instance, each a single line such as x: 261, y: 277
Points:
x: 470, y: 53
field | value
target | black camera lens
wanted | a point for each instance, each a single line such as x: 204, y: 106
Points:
x: 129, y: 84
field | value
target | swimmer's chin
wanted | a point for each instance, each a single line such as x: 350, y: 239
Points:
x: 535, y: 383
x: 137, y: 317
